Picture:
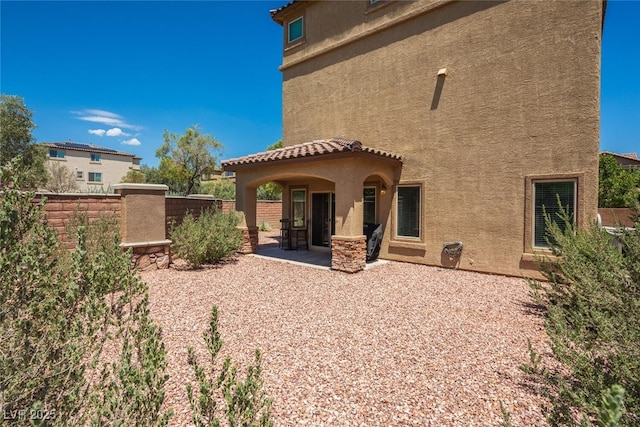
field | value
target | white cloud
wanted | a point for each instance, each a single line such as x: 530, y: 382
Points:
x: 98, y: 132
x: 132, y: 141
x: 105, y: 117
x: 103, y: 113
x: 116, y: 132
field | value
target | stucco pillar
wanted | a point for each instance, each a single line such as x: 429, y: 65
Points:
x: 348, y: 245
x: 246, y: 205
x: 143, y: 224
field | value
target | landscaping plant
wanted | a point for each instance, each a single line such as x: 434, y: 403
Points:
x: 592, y: 317
x: 222, y: 394
x: 207, y: 239
x: 77, y: 344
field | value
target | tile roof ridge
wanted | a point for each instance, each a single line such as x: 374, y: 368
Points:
x: 351, y: 144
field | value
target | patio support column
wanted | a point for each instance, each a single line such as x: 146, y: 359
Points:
x: 348, y: 245
x: 246, y: 204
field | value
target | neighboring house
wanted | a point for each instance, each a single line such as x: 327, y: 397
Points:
x: 218, y: 174
x: 457, y: 122
x: 626, y: 161
x: 94, y: 167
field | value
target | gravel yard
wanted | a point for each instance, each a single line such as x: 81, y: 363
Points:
x: 398, y: 344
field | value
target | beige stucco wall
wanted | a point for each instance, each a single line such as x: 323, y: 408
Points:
x: 520, y: 99
x: 113, y: 167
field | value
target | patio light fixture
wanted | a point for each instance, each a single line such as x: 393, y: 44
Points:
x: 383, y: 190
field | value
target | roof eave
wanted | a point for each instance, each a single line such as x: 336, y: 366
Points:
x: 279, y: 15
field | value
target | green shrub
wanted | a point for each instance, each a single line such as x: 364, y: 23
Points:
x: 223, y: 189
x: 592, y: 317
x: 264, y: 226
x: 207, y: 239
x: 243, y: 403
x: 60, y: 311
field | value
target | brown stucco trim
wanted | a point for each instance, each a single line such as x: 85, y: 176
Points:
x: 367, y: 33
x: 580, y: 215
x: 374, y: 7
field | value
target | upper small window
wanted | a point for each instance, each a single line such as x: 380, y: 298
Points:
x: 56, y: 154
x: 95, y: 157
x: 295, y: 30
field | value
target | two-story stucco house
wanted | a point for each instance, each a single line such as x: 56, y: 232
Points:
x: 93, y: 166
x: 450, y: 123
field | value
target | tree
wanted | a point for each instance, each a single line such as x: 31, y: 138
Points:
x: 270, y: 190
x: 61, y: 179
x: 134, y: 177
x: 16, y: 140
x: 183, y: 159
x: 619, y: 187
x: 222, y: 189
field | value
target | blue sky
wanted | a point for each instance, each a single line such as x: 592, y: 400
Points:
x: 117, y: 74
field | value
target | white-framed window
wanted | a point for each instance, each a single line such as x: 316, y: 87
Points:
x: 95, y: 176
x: 369, y: 205
x: 95, y: 157
x: 79, y: 175
x: 56, y: 154
x: 550, y: 197
x: 298, y: 208
x: 408, y: 211
x: 295, y: 30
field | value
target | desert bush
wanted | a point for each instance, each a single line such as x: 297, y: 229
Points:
x: 221, y: 394
x: 61, y: 311
x: 207, y: 239
x: 264, y: 226
x: 592, y: 317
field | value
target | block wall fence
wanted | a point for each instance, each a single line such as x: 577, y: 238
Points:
x: 134, y: 209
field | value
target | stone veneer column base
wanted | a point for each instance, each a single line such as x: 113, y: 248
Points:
x: 149, y: 255
x: 348, y: 253
x: 249, y: 240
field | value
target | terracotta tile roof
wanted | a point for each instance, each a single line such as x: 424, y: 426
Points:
x: 308, y: 149
x: 630, y: 156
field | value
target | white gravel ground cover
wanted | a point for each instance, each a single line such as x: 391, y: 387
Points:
x: 399, y: 344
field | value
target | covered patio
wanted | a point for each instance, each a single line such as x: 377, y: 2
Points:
x: 331, y: 188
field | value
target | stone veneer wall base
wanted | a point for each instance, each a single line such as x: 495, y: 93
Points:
x: 149, y: 255
x: 249, y: 240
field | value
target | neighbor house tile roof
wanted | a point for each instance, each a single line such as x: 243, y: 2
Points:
x: 630, y: 156
x: 87, y: 147
x: 309, y: 149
